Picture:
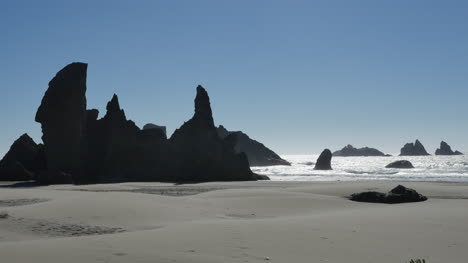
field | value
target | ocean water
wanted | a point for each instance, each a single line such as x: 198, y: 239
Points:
x: 427, y: 168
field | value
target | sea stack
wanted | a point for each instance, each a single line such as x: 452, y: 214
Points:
x: 199, y: 154
x: 445, y: 149
x: 349, y: 151
x: 62, y: 115
x: 413, y: 149
x: 324, y: 161
x: 257, y: 153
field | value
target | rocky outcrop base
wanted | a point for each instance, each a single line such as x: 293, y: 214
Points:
x: 399, y: 194
x: 402, y: 164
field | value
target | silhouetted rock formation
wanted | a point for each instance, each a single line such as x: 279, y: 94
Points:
x: 119, y: 137
x: 257, y: 153
x: 349, y: 150
x: 150, y: 126
x: 119, y: 151
x: 199, y: 154
x: 399, y: 194
x: 21, y: 162
x: 324, y: 161
x: 445, y: 149
x: 402, y: 164
x: 80, y: 148
x: 413, y: 149
x: 62, y: 115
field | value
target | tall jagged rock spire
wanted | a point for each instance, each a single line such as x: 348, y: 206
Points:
x: 197, y: 153
x: 113, y: 105
x: 62, y: 115
x: 114, y: 112
x: 203, y: 106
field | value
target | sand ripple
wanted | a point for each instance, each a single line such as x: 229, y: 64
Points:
x: 19, y: 202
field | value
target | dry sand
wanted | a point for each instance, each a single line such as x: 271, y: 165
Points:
x: 231, y: 222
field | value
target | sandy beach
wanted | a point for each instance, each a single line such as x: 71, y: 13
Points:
x: 231, y: 222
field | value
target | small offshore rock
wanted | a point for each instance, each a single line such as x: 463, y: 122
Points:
x: 401, y: 164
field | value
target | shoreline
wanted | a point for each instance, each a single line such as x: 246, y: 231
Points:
x: 259, y: 221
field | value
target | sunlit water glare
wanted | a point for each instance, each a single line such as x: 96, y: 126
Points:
x: 427, y: 168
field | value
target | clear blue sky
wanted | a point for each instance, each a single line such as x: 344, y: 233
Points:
x: 298, y: 76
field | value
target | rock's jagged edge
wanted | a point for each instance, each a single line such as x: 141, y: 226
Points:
x: 257, y: 153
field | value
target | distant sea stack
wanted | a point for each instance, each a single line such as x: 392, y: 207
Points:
x: 21, y: 162
x: 324, y: 161
x: 349, y: 151
x: 413, y: 149
x: 257, y: 153
x: 445, y: 149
